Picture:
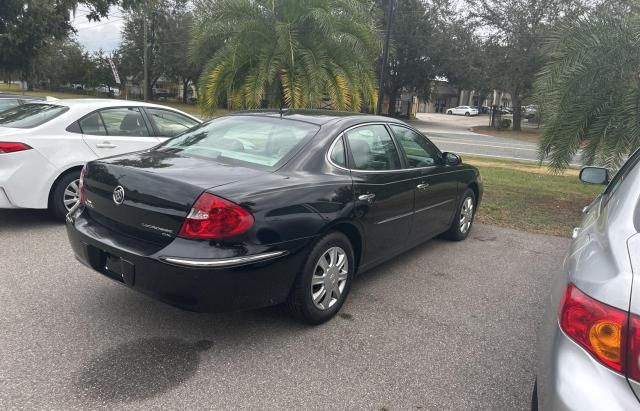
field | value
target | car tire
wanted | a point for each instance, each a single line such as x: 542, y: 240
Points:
x: 460, y: 229
x: 534, y: 396
x: 449, y: 112
x: 467, y: 114
x: 61, y: 192
x: 301, y: 302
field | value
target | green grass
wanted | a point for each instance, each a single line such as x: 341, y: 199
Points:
x: 526, y: 197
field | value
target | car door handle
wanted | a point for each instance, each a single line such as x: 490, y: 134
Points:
x: 106, y: 144
x: 422, y: 186
x: 367, y: 197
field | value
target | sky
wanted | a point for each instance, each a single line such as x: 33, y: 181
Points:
x: 96, y: 35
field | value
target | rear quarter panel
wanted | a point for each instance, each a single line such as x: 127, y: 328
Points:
x: 292, y: 206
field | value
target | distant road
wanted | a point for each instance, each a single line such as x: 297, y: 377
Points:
x: 452, y: 134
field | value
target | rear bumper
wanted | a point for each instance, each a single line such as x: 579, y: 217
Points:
x: 571, y: 379
x: 253, y: 278
x: 24, y: 179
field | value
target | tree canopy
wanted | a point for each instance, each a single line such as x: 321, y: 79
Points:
x: 288, y: 52
x: 589, y: 89
x: 29, y: 27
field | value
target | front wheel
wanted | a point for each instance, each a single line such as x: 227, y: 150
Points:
x: 323, y: 285
x: 463, y: 220
x: 449, y: 112
x: 65, y: 194
x: 467, y: 114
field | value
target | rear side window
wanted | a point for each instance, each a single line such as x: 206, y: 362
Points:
x: 92, y: 124
x: 124, y: 121
x: 7, y: 103
x: 30, y: 115
x: 372, y: 148
x: 168, y: 123
x: 338, y: 155
x: 243, y: 140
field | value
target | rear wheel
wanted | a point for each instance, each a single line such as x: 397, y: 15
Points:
x: 65, y: 194
x: 467, y: 114
x: 463, y: 220
x: 323, y: 285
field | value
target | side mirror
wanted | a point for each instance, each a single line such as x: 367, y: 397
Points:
x: 594, y: 175
x: 451, y: 159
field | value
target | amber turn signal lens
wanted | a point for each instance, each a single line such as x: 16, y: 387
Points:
x: 606, y: 339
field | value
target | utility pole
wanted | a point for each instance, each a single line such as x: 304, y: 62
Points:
x: 385, y: 55
x: 146, y: 53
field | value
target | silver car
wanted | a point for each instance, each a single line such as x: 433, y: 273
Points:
x: 589, y: 341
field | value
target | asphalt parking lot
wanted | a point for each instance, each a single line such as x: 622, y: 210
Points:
x: 445, y: 326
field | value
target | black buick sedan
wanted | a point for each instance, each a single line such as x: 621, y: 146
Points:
x: 263, y: 208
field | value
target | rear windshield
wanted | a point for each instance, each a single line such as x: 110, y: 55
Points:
x: 243, y: 140
x: 30, y: 115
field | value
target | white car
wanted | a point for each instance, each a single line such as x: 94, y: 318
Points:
x: 44, y: 145
x: 463, y: 111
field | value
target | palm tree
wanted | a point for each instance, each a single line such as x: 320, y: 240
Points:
x: 589, y: 90
x: 290, y: 53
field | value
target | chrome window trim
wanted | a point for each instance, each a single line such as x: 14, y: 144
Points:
x: 328, y: 156
x: 399, y: 170
x: 223, y: 262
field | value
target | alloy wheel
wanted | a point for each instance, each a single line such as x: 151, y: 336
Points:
x: 71, y: 194
x: 466, y: 215
x: 329, y: 278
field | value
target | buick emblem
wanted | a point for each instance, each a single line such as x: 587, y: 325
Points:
x: 118, y: 195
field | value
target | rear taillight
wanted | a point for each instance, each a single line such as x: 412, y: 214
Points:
x: 11, y: 147
x: 212, y: 217
x: 597, y: 327
x: 81, y: 186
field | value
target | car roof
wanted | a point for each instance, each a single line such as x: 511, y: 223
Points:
x: 318, y: 117
x: 20, y: 96
x: 102, y: 102
x: 86, y: 105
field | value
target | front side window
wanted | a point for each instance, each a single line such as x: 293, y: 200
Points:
x: 243, y: 140
x: 168, y: 123
x: 419, y: 151
x: 372, y: 148
x: 30, y: 115
x: 621, y: 174
x: 124, y: 121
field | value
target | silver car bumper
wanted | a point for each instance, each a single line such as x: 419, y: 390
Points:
x: 571, y: 379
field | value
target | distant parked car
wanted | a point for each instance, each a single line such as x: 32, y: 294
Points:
x: 589, y: 341
x: 160, y: 92
x: 43, y: 146
x: 8, y: 101
x: 463, y: 111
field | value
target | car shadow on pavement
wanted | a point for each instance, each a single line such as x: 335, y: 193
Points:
x: 163, y: 345
x: 139, y: 369
x: 26, y: 219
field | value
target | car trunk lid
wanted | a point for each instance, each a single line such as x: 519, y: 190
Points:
x: 148, y: 194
